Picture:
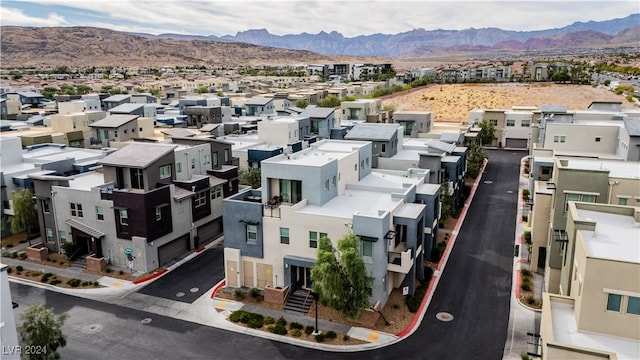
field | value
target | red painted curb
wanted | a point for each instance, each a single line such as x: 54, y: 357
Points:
x: 447, y: 251
x: 222, y: 283
x: 201, y: 248
x: 518, y: 285
x: 157, y: 274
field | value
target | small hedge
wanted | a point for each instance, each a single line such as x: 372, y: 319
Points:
x: 295, y: 325
x: 280, y: 330
x: 268, y: 320
x: 296, y: 333
x: 331, y: 334
x: 281, y: 322
x: 254, y: 293
x: 238, y: 294
x: 74, y: 282
x: 45, y: 277
x: 320, y: 337
x: 308, y: 329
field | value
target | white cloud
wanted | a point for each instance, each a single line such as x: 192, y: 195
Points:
x: 17, y: 17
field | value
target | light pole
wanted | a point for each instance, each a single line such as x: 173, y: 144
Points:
x: 315, y: 297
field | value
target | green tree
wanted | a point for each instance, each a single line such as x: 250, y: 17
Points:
x: 82, y: 89
x: 475, y: 158
x: 49, y: 92
x: 446, y: 200
x: 340, y: 276
x: 302, y: 103
x: 41, y: 330
x: 487, y: 132
x: 24, y: 212
x: 251, y: 177
x: 330, y: 101
x: 202, y: 90
x: 561, y: 76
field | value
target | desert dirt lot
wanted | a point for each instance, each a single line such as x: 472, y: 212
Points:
x: 452, y: 102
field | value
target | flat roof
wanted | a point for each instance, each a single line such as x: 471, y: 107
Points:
x: 354, y: 201
x: 566, y: 331
x: 369, y: 131
x: 138, y: 155
x: 86, y: 181
x: 617, y: 169
x: 617, y: 237
x: 114, y: 121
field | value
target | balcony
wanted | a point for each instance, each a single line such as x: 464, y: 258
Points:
x: 400, y: 261
x: 272, y: 207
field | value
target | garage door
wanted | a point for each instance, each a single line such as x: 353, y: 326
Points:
x: 209, y: 232
x: 516, y: 143
x: 173, y: 250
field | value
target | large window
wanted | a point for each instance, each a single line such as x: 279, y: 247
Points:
x: 367, y: 248
x: 493, y: 122
x: 525, y: 123
x: 252, y: 233
x: 313, y: 239
x: 206, y: 160
x: 633, y: 305
x: 613, y: 302
x: 559, y: 138
x: 45, y: 206
x: 511, y: 122
x: 76, y: 210
x: 216, y: 192
x: 99, y: 213
x: 290, y: 191
x: 578, y: 197
x: 137, y: 180
x: 201, y: 199
x: 178, y: 167
x: 124, y: 217
x: 165, y: 172
x: 284, y: 235
x: 49, y: 235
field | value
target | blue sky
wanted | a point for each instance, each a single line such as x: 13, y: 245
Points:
x: 349, y: 17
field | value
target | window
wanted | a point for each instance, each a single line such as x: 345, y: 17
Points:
x: 598, y: 138
x: 50, y: 235
x: 115, y: 133
x: 622, y: 201
x: 326, y: 184
x: 137, y: 181
x: 124, y: 217
x: 633, y: 305
x: 201, y: 199
x: 158, y: 213
x: 45, y: 206
x: 140, y: 129
x: 125, y: 131
x: 613, y: 302
x: 284, y: 235
x: 226, y: 156
x: 206, y: 160
x: 178, y: 167
x: 99, y: 213
x: 333, y: 181
x: 361, y: 164
x: 62, y: 236
x: 559, y: 138
x: 525, y: 123
x: 493, y: 122
x: 216, y: 192
x: 511, y: 122
x: 577, y: 197
x: 252, y: 233
x: 367, y: 248
x: 76, y: 210
x: 193, y: 163
x: 384, y: 146
x: 165, y: 171
x: 215, y: 159
x: 313, y: 239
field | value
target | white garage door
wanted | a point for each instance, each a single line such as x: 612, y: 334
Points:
x: 516, y: 143
x: 173, y: 250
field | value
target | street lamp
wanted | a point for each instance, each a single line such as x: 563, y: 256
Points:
x: 315, y: 297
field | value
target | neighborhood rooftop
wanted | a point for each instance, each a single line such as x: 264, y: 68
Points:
x: 137, y: 155
x: 113, y: 121
x: 616, y: 237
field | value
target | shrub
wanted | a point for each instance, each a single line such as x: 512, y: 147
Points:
x: 281, y: 321
x: 55, y: 281
x: 23, y: 255
x: 296, y: 333
x: 45, y: 277
x: 238, y: 294
x: 346, y: 337
x: 525, y: 218
x: 121, y: 272
x: 237, y: 315
x: 109, y: 270
x: 308, y: 329
x: 331, y: 334
x: 9, y: 270
x: 525, y: 272
x: 255, y: 323
x: 14, y: 255
x: 295, y: 325
x: 530, y: 299
x: 271, y: 328
x: 19, y: 268
x: 254, y: 293
x: 96, y: 284
x: 395, y: 306
x: 9, y: 246
x: 525, y: 194
x: 280, y: 330
x: 87, y: 283
x: 320, y: 338
x: 268, y: 320
x: 74, y: 282
x: 527, y: 236
x: 54, y: 261
x: 525, y: 286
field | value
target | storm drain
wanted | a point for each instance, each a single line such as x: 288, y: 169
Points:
x: 145, y: 321
x: 444, y: 316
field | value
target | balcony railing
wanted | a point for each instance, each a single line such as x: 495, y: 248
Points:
x: 400, y: 262
x: 272, y: 207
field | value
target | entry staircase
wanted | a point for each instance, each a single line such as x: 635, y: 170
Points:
x: 299, y: 301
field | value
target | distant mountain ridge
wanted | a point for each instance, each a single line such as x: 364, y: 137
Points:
x: 395, y: 45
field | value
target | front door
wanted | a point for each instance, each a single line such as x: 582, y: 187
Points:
x: 303, y: 277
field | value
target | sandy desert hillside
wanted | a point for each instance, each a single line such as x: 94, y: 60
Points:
x: 453, y: 102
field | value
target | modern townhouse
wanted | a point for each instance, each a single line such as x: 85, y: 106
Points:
x: 574, y: 179
x: 139, y: 209
x: 329, y: 189
x: 384, y: 137
x: 27, y: 99
x: 512, y: 127
x: 257, y: 106
x: 115, y: 100
x: 414, y: 122
x: 361, y: 109
x: 322, y: 120
x: 598, y: 319
x: 117, y: 130
x: 140, y: 109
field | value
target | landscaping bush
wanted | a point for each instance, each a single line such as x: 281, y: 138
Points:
x: 530, y: 299
x: 308, y: 329
x: 271, y: 328
x: 121, y: 272
x: 331, y: 334
x: 525, y: 286
x: 525, y: 194
x: 525, y: 218
x: 527, y: 237
x: 9, y: 246
x: 237, y: 315
x: 346, y: 337
x: 45, y: 277
x: 87, y: 283
x: 9, y: 270
x: 109, y: 270
x: 55, y: 281
x: 295, y: 325
x: 69, y: 248
x: 254, y: 293
x: 96, y: 284
x: 281, y: 322
x: 436, y: 252
x: 19, y: 268
x: 238, y: 294
x: 268, y: 320
x: 525, y: 272
x: 23, y: 255
x: 296, y: 332
x: 255, y: 323
x: 14, y: 255
x: 280, y: 330
x: 320, y: 338
x: 74, y: 282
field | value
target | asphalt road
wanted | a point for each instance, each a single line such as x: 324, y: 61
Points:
x: 190, y: 280
x: 474, y: 288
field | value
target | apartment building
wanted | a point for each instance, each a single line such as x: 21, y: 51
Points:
x: 414, y: 122
x: 599, y: 317
x: 329, y: 189
x: 139, y: 209
x: 512, y: 127
x: 257, y: 106
x: 114, y: 130
x: 322, y: 120
x: 361, y: 109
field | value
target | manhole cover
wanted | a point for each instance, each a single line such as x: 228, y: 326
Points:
x: 145, y: 321
x: 193, y: 290
x: 180, y: 294
x: 92, y: 329
x: 488, y: 182
x: 444, y: 316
